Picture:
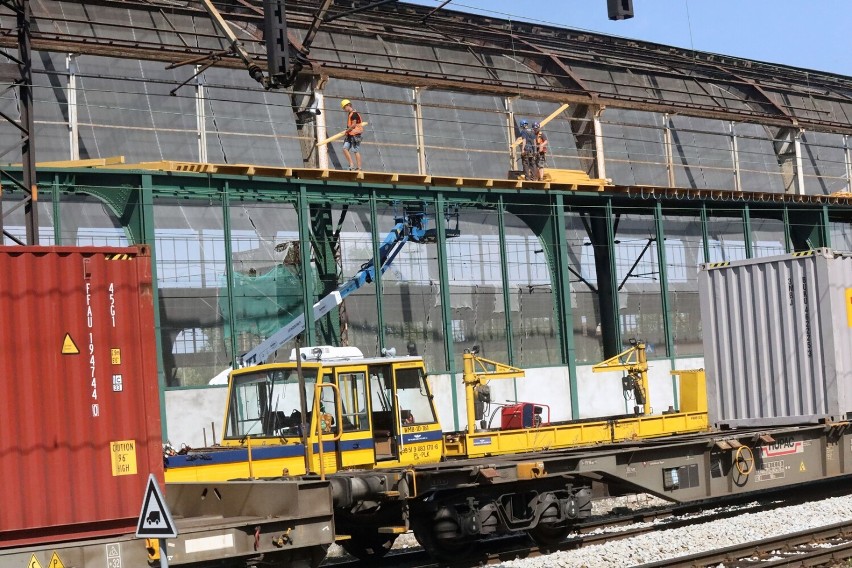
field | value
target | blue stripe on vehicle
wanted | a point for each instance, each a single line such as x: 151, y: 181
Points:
x: 234, y: 456
x: 259, y: 453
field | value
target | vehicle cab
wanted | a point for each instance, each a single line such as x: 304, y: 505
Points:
x: 366, y: 412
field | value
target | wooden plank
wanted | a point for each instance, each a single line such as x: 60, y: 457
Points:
x: 544, y: 122
x: 447, y: 180
x: 415, y: 178
x: 88, y: 163
x: 337, y: 136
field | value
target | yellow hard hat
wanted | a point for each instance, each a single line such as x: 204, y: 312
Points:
x: 345, y: 102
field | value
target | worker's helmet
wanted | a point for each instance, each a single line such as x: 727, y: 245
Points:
x: 345, y: 102
x: 524, y: 124
x: 536, y: 125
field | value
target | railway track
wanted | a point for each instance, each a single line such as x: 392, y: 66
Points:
x: 820, y: 546
x: 599, y: 531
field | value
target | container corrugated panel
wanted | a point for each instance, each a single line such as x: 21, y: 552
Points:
x: 778, y: 338
x: 79, y: 399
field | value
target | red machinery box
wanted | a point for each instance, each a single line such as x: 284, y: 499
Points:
x: 522, y: 415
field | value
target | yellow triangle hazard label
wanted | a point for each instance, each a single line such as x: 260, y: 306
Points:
x: 802, y: 467
x: 34, y: 563
x: 55, y: 562
x: 68, y: 346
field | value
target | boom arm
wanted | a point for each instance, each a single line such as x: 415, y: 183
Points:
x: 634, y: 362
x: 409, y: 228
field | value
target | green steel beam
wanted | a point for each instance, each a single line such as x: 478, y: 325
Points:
x: 705, y: 233
x: 826, y: 227
x: 747, y: 234
x: 612, y: 350
x: 229, y: 270
x: 322, y: 232
x: 807, y: 229
x: 377, y: 280
x: 562, y: 276
x: 305, y: 264
x: 504, y: 277
x: 664, y: 294
x: 788, y: 238
x: 660, y: 235
x: 55, y: 198
x: 144, y: 214
x: 446, y: 306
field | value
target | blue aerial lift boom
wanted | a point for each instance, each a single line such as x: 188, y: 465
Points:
x: 410, y: 227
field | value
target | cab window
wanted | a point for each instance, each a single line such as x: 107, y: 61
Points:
x: 414, y: 404
x: 266, y: 403
x: 353, y: 392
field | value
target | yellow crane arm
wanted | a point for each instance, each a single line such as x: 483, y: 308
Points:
x: 634, y: 362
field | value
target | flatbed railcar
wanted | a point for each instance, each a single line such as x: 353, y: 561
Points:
x: 368, y: 427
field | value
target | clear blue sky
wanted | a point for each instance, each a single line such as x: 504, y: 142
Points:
x: 812, y: 34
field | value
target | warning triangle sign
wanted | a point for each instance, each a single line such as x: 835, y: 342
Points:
x: 68, y: 346
x: 155, y: 520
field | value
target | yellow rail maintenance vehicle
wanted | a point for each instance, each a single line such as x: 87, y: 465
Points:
x: 367, y: 412
x: 369, y: 426
x: 347, y: 411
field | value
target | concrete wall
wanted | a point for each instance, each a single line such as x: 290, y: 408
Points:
x: 190, y: 411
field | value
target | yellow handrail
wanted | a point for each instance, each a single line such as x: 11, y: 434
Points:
x: 318, y: 418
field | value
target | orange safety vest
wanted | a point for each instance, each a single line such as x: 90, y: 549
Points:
x: 354, y: 127
x: 539, y: 139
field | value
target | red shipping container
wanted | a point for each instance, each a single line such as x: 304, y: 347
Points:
x: 79, y: 398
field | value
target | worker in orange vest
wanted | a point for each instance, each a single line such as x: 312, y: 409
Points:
x: 352, y: 141
x: 541, y: 148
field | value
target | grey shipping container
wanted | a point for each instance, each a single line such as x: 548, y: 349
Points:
x: 778, y: 338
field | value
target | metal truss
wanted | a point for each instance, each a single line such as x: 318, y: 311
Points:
x: 627, y: 74
x: 19, y: 73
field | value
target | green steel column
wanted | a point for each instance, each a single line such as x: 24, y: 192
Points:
x: 613, y: 277
x: 747, y: 232
x: 826, y: 227
x: 664, y: 293
x: 504, y: 274
x: 705, y: 234
x: 57, y: 219
x: 788, y: 237
x: 558, y: 236
x: 664, y: 276
x: 446, y: 310
x: 328, y: 327
x: 145, y: 217
x: 229, y: 269
x: 377, y: 280
x: 808, y: 229
x: 305, y: 260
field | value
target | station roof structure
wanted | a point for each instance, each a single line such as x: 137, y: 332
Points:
x: 404, y: 44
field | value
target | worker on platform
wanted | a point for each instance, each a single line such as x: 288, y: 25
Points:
x: 541, y: 148
x: 528, y: 151
x: 352, y: 141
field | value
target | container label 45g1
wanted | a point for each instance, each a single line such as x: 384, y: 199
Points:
x: 123, y: 454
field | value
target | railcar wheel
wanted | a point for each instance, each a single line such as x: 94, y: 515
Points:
x: 548, y: 535
x: 368, y: 546
x: 443, y: 549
